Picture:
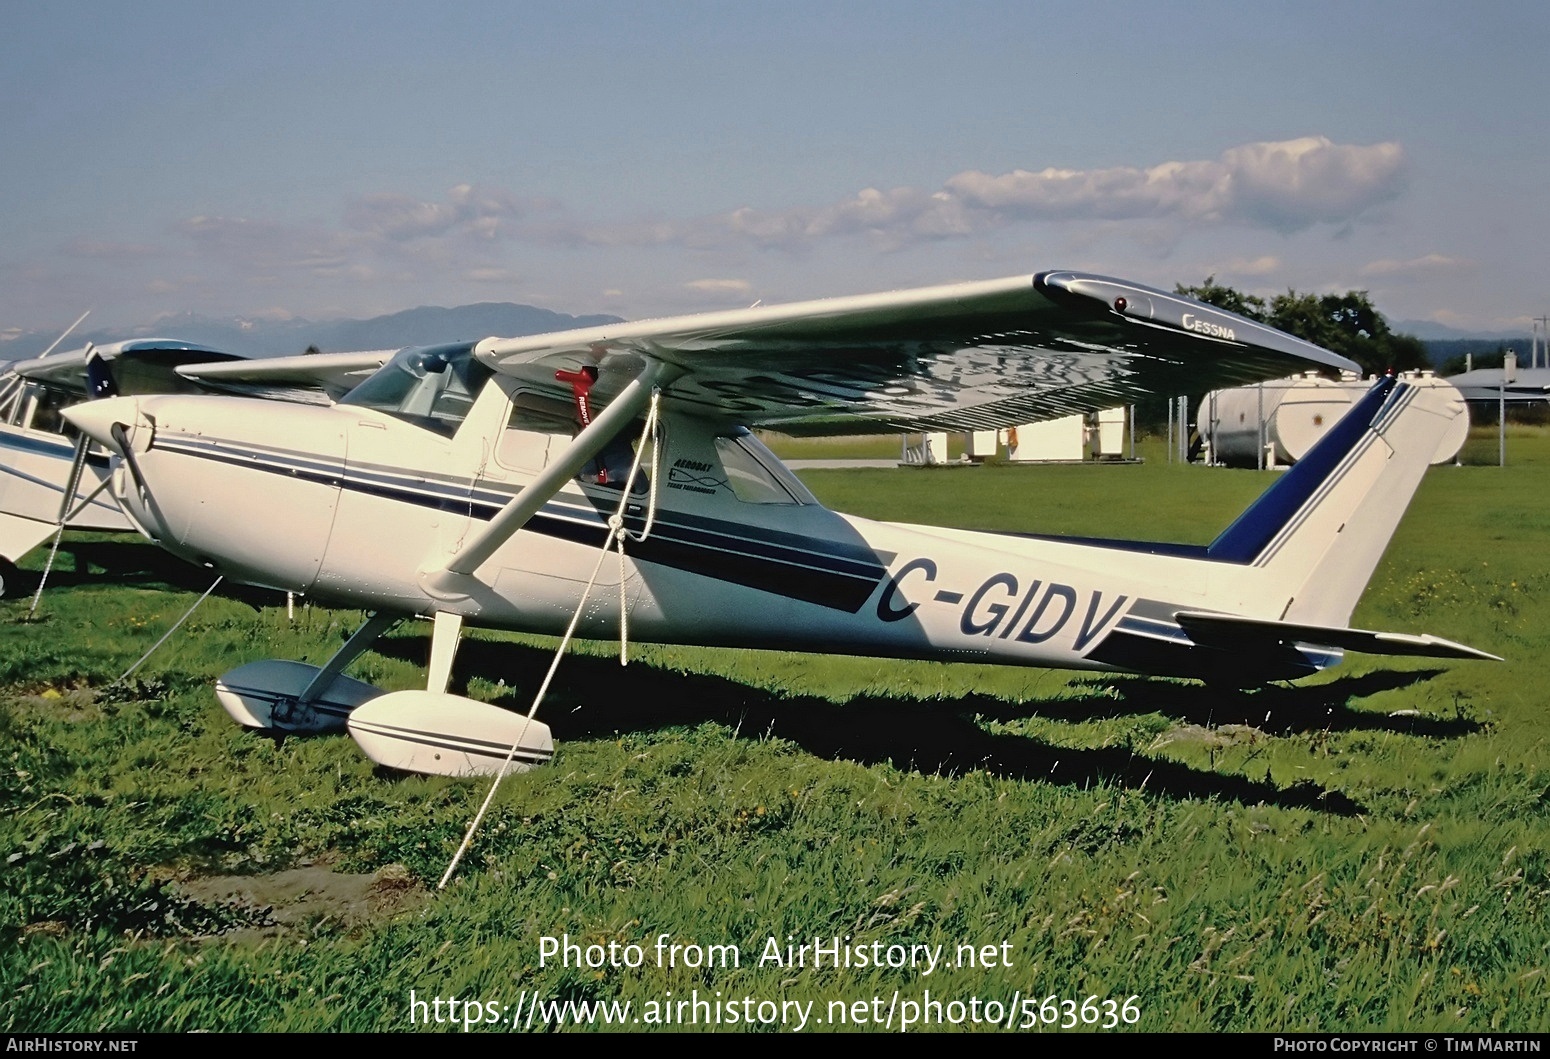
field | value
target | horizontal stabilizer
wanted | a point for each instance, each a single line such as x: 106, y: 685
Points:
x: 1230, y: 631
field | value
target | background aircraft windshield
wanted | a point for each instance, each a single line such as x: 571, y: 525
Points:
x: 429, y: 386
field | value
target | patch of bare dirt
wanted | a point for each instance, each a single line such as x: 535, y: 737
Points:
x: 1213, y: 738
x: 310, y: 897
x: 70, y: 705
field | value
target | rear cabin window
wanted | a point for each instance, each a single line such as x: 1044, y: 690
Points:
x: 33, y: 406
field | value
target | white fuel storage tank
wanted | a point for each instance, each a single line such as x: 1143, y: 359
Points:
x: 1290, y: 415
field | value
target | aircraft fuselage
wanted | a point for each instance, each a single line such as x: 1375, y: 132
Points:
x: 353, y: 505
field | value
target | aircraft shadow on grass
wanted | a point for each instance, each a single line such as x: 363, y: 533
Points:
x: 134, y: 563
x: 594, y: 697
x: 1276, y: 709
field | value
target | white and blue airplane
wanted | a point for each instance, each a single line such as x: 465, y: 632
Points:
x: 485, y: 483
x: 46, y: 476
x: 50, y: 478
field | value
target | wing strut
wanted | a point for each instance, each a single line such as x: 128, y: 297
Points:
x: 511, y: 518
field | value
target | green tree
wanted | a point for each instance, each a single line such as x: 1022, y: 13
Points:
x: 1224, y: 297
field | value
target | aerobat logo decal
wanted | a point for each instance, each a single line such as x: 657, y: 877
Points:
x: 695, y: 476
x: 1002, y: 608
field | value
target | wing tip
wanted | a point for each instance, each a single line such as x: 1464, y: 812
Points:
x: 1141, y: 304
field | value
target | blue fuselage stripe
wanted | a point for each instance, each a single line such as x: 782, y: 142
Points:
x: 828, y: 573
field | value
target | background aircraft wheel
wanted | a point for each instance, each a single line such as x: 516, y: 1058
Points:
x: 10, y: 580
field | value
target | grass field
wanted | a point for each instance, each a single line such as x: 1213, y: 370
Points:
x: 1365, y: 850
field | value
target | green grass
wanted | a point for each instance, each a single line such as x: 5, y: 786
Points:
x: 1366, y: 850
x: 861, y: 447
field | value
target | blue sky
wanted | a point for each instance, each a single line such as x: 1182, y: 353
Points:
x: 349, y: 159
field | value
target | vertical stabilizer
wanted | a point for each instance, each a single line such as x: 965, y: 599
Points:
x: 1320, y: 531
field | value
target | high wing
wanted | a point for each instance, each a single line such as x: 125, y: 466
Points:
x: 141, y: 365
x: 335, y: 374
x: 166, y: 365
x: 970, y: 356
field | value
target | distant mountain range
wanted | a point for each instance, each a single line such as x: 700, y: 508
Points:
x: 412, y: 327
x: 1429, y: 332
x: 1451, y: 350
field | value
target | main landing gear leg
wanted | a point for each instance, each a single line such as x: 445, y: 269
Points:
x: 445, y: 634
x: 362, y: 638
x: 297, y: 697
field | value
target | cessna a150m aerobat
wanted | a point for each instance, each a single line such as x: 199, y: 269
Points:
x: 481, y: 482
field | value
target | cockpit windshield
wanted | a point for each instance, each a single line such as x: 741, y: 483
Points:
x: 430, y: 386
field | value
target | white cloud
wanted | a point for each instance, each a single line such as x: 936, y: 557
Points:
x: 481, y: 212
x: 468, y: 231
x: 262, y: 244
x: 1427, y: 265
x: 1286, y: 186
x: 1191, y: 190
x: 1266, y: 265
x: 467, y: 235
x: 1296, y: 184
x: 720, y: 286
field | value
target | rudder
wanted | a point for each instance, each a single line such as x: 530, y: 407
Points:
x: 1320, y: 531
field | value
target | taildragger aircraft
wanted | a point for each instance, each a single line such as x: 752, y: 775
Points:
x: 485, y: 483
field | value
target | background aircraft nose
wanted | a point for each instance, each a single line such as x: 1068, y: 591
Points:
x: 95, y: 419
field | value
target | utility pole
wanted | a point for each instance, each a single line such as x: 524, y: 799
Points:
x: 1183, y: 429
x: 1260, y: 443
x: 1509, y: 374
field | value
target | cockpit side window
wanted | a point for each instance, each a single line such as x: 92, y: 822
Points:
x: 11, y: 399
x: 755, y: 475
x: 430, y: 386
x: 34, y: 406
x: 537, y: 426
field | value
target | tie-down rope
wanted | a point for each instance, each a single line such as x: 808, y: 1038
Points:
x: 617, y: 532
